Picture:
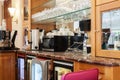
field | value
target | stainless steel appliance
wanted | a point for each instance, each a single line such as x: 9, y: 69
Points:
x: 35, y: 39
x: 48, y: 43
x: 61, y: 43
x: 56, y: 43
x: 29, y: 60
x: 39, y: 69
x: 21, y: 70
x: 37, y: 36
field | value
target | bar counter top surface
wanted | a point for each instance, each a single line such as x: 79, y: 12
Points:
x: 7, y: 51
x: 69, y: 56
x: 72, y: 56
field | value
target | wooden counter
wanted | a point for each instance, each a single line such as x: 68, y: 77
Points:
x: 108, y: 68
x: 7, y: 65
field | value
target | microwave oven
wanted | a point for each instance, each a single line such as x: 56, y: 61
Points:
x: 61, y: 43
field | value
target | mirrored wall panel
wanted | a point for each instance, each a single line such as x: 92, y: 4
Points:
x: 111, y: 30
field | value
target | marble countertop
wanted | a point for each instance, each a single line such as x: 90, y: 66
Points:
x: 7, y: 51
x: 74, y: 57
x: 69, y: 56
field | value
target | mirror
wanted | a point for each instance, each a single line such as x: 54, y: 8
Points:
x: 25, y: 9
x: 111, y: 30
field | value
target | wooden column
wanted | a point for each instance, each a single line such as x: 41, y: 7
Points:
x: 1, y: 11
x: 7, y: 4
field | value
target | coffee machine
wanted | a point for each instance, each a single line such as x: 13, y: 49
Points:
x: 36, y: 38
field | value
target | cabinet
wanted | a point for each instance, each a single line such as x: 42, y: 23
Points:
x: 105, y: 72
x: 7, y: 66
x: 99, y: 2
x: 106, y: 29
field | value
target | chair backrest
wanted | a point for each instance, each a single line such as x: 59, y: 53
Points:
x: 91, y: 74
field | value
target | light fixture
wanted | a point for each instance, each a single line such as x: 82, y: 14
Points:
x: 11, y: 11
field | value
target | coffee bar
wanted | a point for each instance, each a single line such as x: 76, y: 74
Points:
x: 59, y: 39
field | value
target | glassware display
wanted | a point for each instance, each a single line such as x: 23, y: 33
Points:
x: 70, y: 10
x: 74, y: 4
x: 67, y: 16
x: 49, y: 13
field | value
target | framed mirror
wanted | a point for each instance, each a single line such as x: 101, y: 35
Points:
x: 107, y: 30
x: 111, y: 29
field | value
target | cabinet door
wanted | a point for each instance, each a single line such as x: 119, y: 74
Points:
x: 99, y: 2
x: 108, y: 30
x: 104, y: 71
x: 7, y: 66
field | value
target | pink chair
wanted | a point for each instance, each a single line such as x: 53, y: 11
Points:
x: 82, y: 75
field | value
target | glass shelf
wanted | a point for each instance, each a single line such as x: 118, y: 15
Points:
x: 67, y: 17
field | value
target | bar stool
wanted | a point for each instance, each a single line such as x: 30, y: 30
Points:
x: 91, y: 74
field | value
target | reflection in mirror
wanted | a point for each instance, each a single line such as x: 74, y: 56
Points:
x: 111, y: 30
x: 25, y: 9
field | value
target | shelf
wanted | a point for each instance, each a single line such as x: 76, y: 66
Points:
x: 67, y: 17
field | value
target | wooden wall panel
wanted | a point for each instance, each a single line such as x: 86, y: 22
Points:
x: 93, y: 28
x: 100, y: 2
x: 46, y: 27
x: 7, y: 4
x: 36, y: 5
x: 37, y: 10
